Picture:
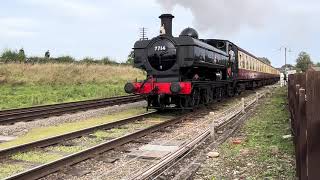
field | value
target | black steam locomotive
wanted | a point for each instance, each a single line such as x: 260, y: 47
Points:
x: 185, y: 71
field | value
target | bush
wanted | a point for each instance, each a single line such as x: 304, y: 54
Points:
x: 107, y: 60
x: 9, y: 56
x: 64, y: 59
x: 12, y: 56
x: 88, y: 60
x: 35, y: 59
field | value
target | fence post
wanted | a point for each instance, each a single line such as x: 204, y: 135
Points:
x: 313, y: 121
x: 302, y: 142
x: 211, y: 116
x: 243, y: 105
x: 296, y: 129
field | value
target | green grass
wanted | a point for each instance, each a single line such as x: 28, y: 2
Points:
x: 45, y: 132
x: 36, y: 157
x: 66, y: 149
x: 23, y: 85
x: 19, y: 96
x: 263, y: 133
x: 8, y: 169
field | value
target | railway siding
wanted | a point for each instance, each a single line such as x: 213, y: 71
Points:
x: 12, y: 116
x: 97, y: 146
x: 258, y: 150
x: 128, y: 160
x: 46, y: 151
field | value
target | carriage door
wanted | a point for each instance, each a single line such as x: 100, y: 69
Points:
x: 231, y: 62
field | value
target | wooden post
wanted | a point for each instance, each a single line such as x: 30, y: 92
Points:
x: 211, y: 116
x: 296, y: 129
x: 243, y: 105
x: 313, y: 121
x: 302, y: 142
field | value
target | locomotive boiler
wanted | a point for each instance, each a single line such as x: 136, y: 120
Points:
x: 184, y: 72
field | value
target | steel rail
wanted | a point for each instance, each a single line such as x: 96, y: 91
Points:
x: 49, y: 168
x: 72, y: 135
x: 236, y: 119
x: 27, y: 114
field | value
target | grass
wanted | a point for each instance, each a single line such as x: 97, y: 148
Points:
x: 45, y: 132
x: 271, y: 155
x: 66, y: 149
x: 8, y: 169
x: 29, y: 95
x: 24, y: 85
x: 36, y: 157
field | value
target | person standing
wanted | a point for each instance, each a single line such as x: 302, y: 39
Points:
x: 231, y: 62
x: 47, y: 54
x: 21, y: 56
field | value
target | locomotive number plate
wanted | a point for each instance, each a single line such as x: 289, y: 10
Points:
x: 160, y: 48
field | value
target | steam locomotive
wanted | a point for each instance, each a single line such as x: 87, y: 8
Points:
x: 184, y: 72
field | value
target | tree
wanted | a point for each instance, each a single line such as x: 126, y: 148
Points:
x: 318, y: 64
x: 10, y: 56
x: 303, y: 61
x: 130, y: 58
x: 289, y: 66
x: 265, y: 60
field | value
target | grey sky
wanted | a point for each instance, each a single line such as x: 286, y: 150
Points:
x: 99, y: 28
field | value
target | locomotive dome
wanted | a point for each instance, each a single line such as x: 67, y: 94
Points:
x: 190, y: 32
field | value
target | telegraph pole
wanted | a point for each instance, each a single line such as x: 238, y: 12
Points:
x: 285, y: 59
x: 286, y: 49
x: 143, y: 34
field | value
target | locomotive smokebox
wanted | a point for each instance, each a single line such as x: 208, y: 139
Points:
x: 166, y: 21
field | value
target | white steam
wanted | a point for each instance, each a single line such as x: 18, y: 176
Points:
x: 225, y: 16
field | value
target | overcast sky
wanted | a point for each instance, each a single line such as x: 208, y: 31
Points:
x: 98, y: 28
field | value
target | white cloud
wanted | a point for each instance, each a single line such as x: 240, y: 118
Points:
x: 14, y: 27
x: 69, y: 7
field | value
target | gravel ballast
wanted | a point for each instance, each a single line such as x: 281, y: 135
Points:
x: 21, y: 128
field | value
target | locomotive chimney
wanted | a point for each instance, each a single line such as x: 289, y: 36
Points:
x: 166, y: 22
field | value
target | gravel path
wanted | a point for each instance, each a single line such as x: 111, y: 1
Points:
x: 22, y: 128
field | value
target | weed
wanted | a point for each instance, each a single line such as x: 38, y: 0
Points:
x: 8, y: 169
x: 46, y: 132
x: 36, y: 157
x: 67, y: 149
x: 264, y: 147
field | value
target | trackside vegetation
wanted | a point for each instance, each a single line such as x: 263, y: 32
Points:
x: 24, y: 85
x: 260, y: 151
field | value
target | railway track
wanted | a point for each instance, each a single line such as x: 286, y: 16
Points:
x: 82, y: 156
x: 51, y: 167
x: 12, y: 116
x: 182, y: 164
x: 72, y: 135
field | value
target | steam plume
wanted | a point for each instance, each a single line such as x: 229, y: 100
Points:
x: 224, y: 17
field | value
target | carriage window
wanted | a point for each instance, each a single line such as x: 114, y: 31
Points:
x: 243, y: 63
x: 247, y: 64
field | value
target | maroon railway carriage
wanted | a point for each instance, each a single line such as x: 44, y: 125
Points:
x: 185, y: 71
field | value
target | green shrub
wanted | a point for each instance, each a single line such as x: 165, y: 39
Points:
x: 64, y: 59
x: 12, y: 56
